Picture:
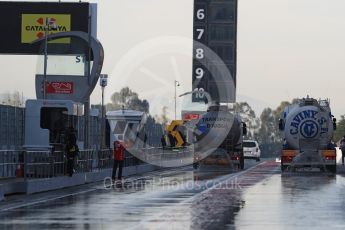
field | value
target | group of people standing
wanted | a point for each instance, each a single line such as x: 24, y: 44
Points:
x: 72, y: 150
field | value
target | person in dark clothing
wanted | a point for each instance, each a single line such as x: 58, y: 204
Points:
x: 71, y: 150
x: 118, y: 159
x: 171, y: 140
x: 163, y: 141
x: 71, y: 135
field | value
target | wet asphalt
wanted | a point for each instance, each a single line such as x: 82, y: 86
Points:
x: 256, y: 198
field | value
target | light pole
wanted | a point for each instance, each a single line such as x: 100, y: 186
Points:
x: 49, y: 21
x: 103, y: 81
x: 176, y: 84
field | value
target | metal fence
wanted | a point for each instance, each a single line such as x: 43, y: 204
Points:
x: 12, y: 123
x: 154, y: 132
x: 168, y: 156
x: 11, y: 126
x: 9, y: 163
x: 45, y: 164
x: 94, y: 131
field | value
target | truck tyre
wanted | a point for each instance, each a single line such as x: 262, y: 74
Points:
x: 332, y: 168
x: 258, y: 159
x: 195, y: 165
x: 283, y: 167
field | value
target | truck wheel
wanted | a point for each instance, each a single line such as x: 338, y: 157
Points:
x: 332, y: 168
x: 258, y: 159
x: 283, y: 167
x: 195, y: 165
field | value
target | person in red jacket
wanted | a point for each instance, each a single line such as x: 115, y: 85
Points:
x: 118, y: 159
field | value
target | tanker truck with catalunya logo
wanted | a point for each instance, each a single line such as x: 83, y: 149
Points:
x: 307, y: 128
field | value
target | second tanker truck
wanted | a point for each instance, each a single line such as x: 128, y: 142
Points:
x: 307, y: 129
x: 219, y: 138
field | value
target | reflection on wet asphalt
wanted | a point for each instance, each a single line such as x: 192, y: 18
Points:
x: 295, y: 202
x: 111, y: 207
x: 258, y: 198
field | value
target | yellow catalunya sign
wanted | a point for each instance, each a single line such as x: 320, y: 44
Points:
x: 33, y: 26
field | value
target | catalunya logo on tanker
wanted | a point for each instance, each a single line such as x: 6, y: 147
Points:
x: 308, y: 123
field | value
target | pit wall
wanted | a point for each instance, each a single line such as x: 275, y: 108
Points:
x: 48, y: 184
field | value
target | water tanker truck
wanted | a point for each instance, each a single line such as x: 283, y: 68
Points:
x: 219, y: 138
x: 307, y: 128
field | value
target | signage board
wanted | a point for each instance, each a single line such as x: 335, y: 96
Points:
x: 59, y: 87
x: 34, y: 26
x: 191, y: 116
x: 23, y: 22
x: 214, y: 50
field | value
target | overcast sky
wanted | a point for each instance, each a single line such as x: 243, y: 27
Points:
x: 286, y: 49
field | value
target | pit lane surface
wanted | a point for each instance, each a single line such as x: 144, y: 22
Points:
x: 256, y: 198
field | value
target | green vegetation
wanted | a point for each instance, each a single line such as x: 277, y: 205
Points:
x: 340, y: 132
x: 127, y: 99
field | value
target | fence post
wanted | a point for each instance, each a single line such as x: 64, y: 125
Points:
x: 99, y: 156
x: 89, y: 160
x: 7, y: 128
x: 25, y: 160
x: 52, y: 162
